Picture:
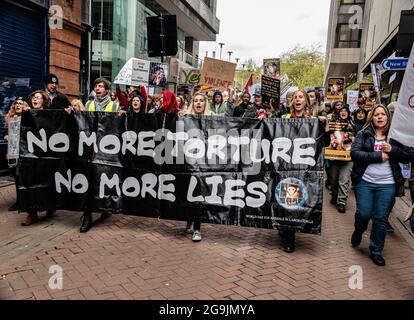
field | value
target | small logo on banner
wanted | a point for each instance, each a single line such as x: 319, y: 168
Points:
x: 291, y: 194
x: 411, y: 102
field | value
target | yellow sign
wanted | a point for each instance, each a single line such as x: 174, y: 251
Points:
x: 338, y: 155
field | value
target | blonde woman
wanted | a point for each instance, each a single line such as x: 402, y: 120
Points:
x: 200, y: 106
x: 77, y: 105
x: 300, y: 108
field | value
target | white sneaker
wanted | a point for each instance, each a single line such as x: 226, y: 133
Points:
x: 197, y: 236
x: 190, y: 228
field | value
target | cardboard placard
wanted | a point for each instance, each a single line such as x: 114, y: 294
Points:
x: 218, y: 74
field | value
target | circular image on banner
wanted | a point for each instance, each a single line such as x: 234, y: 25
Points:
x: 411, y: 102
x: 291, y: 194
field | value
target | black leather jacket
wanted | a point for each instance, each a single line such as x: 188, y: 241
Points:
x: 363, y: 154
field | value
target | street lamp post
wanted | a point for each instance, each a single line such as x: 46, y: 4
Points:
x: 221, y: 50
x: 230, y: 53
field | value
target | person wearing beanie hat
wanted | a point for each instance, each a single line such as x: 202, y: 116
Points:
x: 220, y: 107
x: 58, y: 100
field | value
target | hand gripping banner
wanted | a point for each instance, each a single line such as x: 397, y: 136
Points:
x: 242, y: 172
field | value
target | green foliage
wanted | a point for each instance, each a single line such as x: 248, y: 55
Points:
x: 305, y: 67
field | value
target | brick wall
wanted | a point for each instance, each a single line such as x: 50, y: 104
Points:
x: 65, y: 47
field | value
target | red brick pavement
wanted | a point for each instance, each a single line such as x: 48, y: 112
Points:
x: 137, y: 258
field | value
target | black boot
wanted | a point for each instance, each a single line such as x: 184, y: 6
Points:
x: 288, y: 238
x: 105, y: 215
x: 86, y: 222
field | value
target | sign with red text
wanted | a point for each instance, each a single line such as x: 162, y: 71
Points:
x: 218, y: 74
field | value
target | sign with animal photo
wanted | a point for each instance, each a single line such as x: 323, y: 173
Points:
x: 342, y: 136
x: 335, y: 90
x: 271, y: 68
x: 367, y: 94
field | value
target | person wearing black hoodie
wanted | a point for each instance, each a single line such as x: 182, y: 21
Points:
x: 360, y: 119
x: 243, y: 106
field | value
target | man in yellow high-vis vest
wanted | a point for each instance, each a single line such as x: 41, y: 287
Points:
x: 101, y: 103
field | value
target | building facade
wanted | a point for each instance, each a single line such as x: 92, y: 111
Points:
x: 121, y: 31
x: 362, y: 32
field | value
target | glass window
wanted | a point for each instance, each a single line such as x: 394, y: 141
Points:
x: 347, y: 37
x: 103, y: 20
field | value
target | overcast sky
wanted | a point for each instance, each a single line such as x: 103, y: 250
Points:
x: 263, y: 29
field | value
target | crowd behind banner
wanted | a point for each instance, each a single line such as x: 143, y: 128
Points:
x: 335, y: 117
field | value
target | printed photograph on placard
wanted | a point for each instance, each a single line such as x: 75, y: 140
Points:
x: 158, y: 74
x: 271, y: 68
x: 367, y: 94
x: 335, y: 90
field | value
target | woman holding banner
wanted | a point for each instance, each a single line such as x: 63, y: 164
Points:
x: 300, y: 108
x: 376, y: 176
x: 198, y: 107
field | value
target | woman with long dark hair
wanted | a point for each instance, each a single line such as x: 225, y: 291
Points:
x: 376, y: 176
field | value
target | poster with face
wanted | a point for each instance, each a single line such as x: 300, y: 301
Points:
x: 335, y: 90
x: 158, y: 74
x: 291, y: 194
x: 342, y: 136
x: 271, y: 68
x: 368, y: 94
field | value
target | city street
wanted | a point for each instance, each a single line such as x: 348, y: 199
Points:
x: 137, y: 258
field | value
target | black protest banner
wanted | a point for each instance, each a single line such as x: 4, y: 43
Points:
x: 243, y: 172
x: 270, y: 92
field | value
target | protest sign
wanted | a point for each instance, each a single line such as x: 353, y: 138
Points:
x: 271, y: 68
x: 352, y: 99
x: 218, y: 74
x: 158, y: 74
x: 270, y: 92
x: 14, y: 139
x: 262, y: 174
x: 335, y: 90
x: 402, y: 129
x: 341, y: 141
x: 367, y: 94
x: 134, y: 73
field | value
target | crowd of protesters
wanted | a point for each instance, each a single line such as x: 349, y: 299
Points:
x: 375, y: 160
